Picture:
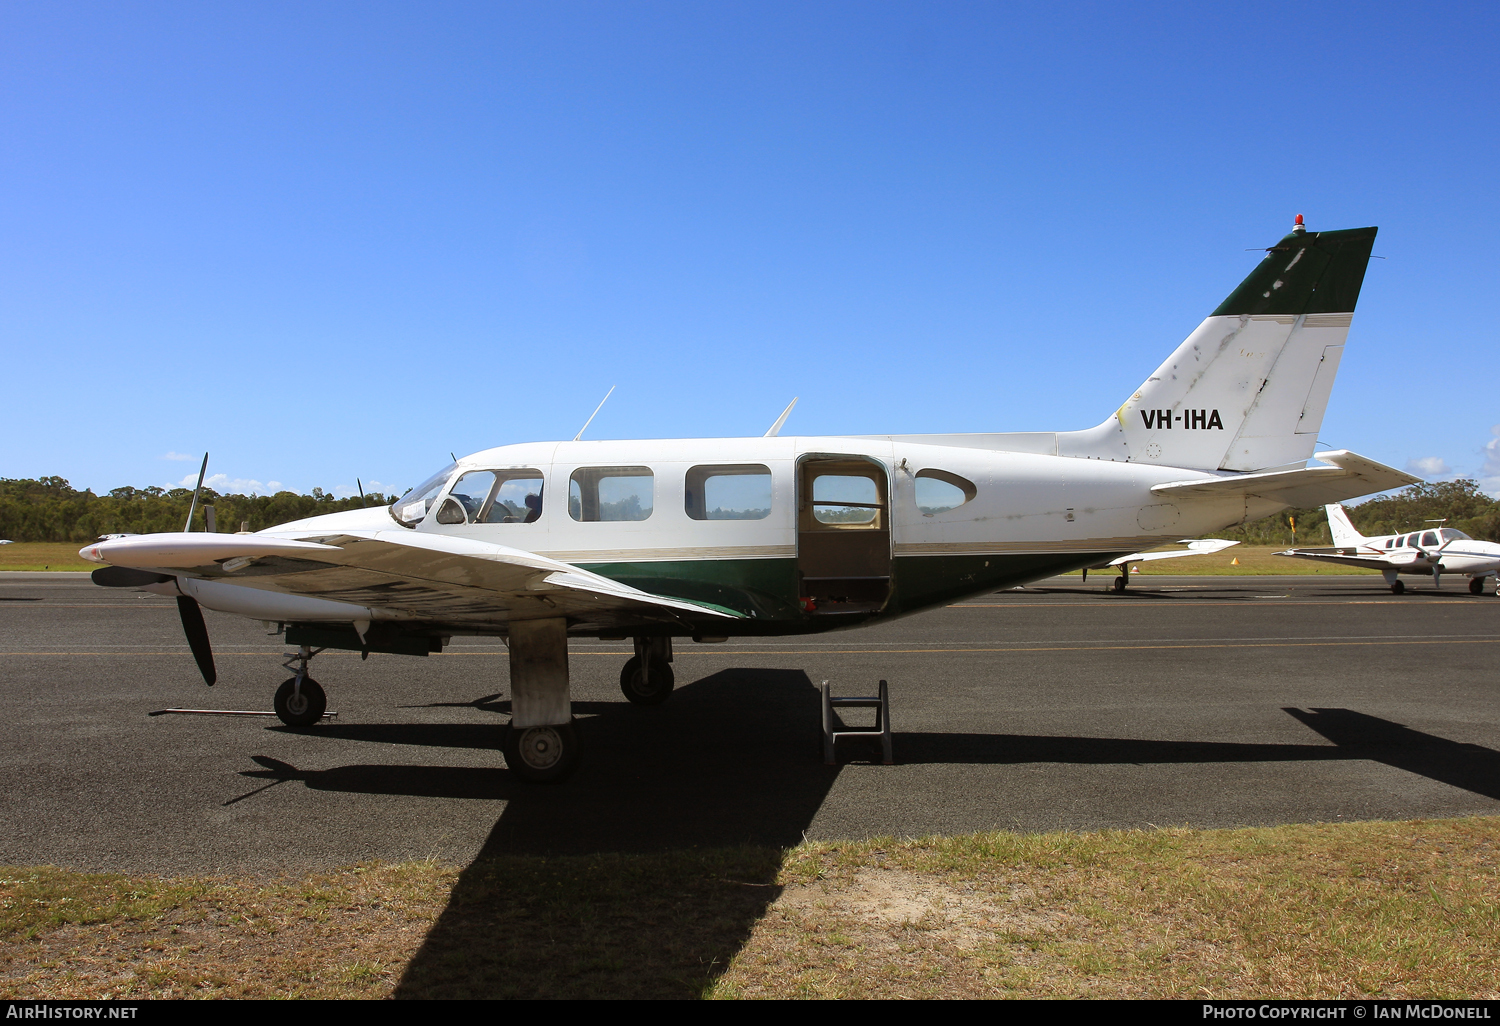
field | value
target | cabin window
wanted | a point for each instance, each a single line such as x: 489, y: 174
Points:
x: 610, y: 493
x: 1390, y: 543
x: 939, y: 491
x: 1429, y: 538
x: 413, y: 507
x: 845, y: 499
x: 737, y: 492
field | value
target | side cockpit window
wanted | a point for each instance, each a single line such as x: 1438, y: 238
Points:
x: 494, y: 497
x: 939, y: 491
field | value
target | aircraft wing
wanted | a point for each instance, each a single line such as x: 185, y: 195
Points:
x: 1195, y: 547
x: 408, y: 575
x: 1349, y: 477
x: 1348, y: 556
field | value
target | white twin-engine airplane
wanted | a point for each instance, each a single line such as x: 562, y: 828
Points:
x: 1430, y: 552
x: 737, y: 537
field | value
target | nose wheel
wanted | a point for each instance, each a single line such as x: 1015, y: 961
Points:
x: 300, y: 701
x: 300, y: 706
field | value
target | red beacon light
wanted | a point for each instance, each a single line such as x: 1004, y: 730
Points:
x: 1297, y: 225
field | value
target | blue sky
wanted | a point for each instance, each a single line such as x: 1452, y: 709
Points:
x: 334, y: 240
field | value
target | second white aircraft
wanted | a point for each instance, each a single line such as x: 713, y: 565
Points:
x: 1430, y: 552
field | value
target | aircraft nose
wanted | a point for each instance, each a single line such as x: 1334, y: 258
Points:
x: 91, y: 553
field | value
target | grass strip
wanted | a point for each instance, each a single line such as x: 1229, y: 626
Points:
x: 1394, y: 910
x: 43, y: 556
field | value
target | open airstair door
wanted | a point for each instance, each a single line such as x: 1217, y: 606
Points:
x: 843, y: 533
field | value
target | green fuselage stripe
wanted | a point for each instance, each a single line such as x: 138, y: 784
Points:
x: 765, y: 591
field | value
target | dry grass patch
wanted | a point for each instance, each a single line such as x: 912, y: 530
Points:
x: 1391, y: 910
x: 348, y: 933
x: 1334, y: 911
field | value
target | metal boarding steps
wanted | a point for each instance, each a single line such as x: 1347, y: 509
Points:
x: 881, y: 703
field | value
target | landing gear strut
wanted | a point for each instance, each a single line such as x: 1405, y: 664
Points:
x: 300, y: 702
x: 540, y: 744
x: 647, y: 679
x: 1123, y: 579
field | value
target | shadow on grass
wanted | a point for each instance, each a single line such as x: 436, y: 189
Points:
x: 644, y: 874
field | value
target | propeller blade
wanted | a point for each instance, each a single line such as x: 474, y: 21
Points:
x: 197, y: 637
x: 194, y: 507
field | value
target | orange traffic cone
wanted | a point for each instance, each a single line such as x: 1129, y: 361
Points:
x: 1235, y: 561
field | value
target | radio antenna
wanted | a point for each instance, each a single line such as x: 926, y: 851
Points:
x: 595, y: 413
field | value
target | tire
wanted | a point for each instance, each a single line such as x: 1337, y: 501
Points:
x: 1397, y: 587
x: 1476, y: 586
x: 636, y: 689
x: 1119, y: 584
x: 541, y: 755
x: 306, y: 709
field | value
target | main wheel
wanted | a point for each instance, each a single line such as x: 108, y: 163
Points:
x: 1476, y: 585
x: 638, y: 690
x: 1119, y: 584
x: 541, y: 755
x: 300, y: 708
x: 1397, y: 587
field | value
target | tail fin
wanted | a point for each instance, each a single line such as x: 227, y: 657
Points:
x: 1248, y: 388
x: 1344, y: 532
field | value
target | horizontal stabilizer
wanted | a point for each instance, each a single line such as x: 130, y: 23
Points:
x: 1349, y: 477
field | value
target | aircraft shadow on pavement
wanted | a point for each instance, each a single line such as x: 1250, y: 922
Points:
x: 1354, y: 735
x: 731, y: 761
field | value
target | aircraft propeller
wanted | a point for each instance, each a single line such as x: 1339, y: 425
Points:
x: 187, y: 606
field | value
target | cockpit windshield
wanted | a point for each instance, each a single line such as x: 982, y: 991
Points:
x: 1453, y: 534
x: 411, y: 508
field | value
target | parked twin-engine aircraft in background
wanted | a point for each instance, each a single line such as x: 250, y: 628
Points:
x: 1431, y: 552
x: 736, y: 537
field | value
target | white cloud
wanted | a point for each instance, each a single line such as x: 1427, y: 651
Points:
x: 1489, y: 474
x: 225, y: 485
x: 179, y: 456
x: 1428, y: 466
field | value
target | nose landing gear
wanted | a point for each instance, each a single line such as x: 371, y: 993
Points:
x: 300, y: 701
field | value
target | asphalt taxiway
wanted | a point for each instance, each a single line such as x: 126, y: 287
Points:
x: 1211, y: 701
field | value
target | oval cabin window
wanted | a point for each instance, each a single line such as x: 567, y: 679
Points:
x: 939, y: 491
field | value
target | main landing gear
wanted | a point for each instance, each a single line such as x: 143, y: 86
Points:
x: 540, y: 745
x: 300, y: 702
x: 1476, y: 584
x: 1398, y: 587
x: 647, y: 678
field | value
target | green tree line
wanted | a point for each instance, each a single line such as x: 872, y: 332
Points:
x: 1460, y: 502
x: 49, y: 509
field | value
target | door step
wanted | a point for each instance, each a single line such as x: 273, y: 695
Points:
x: 881, y: 703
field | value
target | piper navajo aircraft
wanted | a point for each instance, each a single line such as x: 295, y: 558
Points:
x: 1430, y: 552
x: 734, y: 537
